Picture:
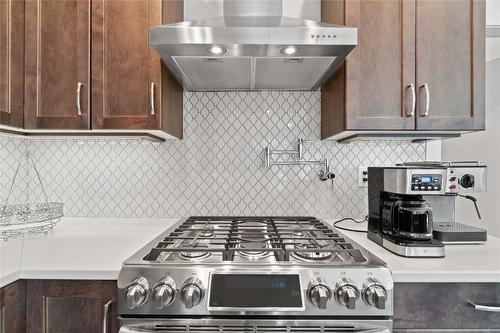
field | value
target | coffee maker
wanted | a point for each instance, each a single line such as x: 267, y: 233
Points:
x: 412, y: 206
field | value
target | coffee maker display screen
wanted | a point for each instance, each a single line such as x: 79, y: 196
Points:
x: 426, y: 179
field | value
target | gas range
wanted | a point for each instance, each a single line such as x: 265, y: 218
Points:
x: 254, y: 274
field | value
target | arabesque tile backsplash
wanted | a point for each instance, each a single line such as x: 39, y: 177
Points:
x: 218, y: 169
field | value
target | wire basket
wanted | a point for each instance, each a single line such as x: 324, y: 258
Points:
x: 28, y: 218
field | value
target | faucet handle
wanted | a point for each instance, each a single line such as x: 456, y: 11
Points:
x: 300, y: 148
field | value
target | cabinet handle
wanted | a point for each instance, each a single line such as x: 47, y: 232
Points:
x: 105, y: 316
x: 487, y: 308
x: 427, y: 100
x: 152, y: 94
x: 413, y: 100
x: 79, y: 98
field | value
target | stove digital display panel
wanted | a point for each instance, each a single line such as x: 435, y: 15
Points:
x: 255, y: 291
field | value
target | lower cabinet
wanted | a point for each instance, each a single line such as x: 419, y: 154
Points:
x: 13, y: 308
x: 62, y: 306
x: 433, y: 307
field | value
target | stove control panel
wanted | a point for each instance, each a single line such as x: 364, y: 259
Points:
x: 306, y: 290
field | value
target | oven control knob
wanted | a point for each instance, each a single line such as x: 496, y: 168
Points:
x: 319, y: 295
x: 346, y: 293
x: 137, y: 293
x: 374, y: 293
x: 164, y: 293
x: 192, y: 292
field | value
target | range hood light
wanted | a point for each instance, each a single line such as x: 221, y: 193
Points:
x: 289, y: 50
x: 217, y: 50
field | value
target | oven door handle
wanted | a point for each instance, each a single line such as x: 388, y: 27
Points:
x: 125, y: 329
x: 376, y: 330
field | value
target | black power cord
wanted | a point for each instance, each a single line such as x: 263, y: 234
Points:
x: 335, y: 224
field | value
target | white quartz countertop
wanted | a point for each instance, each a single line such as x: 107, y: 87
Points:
x: 78, y: 248
x: 94, y: 248
x: 462, y: 263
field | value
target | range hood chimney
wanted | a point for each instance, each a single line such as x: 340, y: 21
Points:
x: 253, y: 8
x: 252, y: 46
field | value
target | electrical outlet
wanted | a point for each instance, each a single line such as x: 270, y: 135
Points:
x: 362, y: 176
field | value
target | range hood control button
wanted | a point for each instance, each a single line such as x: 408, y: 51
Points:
x: 374, y: 293
x: 137, y: 293
x: 346, y: 294
x: 192, y: 292
x: 164, y: 293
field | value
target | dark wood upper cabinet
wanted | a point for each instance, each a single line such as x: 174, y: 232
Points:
x: 408, y: 52
x: 57, y: 64
x: 61, y: 306
x: 451, y: 62
x: 375, y: 81
x: 130, y: 87
x: 12, y: 62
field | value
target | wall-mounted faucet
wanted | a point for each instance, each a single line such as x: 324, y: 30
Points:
x: 324, y: 174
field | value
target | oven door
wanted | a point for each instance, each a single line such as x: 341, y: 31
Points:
x: 246, y: 325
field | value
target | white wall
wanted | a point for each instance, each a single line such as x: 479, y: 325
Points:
x: 484, y: 146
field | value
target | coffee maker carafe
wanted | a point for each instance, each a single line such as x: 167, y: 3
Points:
x: 407, y: 217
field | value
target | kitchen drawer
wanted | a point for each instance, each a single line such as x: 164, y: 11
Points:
x: 444, y: 306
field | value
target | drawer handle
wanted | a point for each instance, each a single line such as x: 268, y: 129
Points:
x: 79, y: 98
x: 487, y: 308
x: 105, y: 316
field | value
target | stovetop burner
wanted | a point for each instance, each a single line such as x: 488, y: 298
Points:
x: 240, y: 239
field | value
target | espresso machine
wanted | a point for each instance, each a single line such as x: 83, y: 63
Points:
x: 412, y: 206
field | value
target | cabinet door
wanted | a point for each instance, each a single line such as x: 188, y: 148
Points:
x: 380, y: 71
x: 126, y: 73
x: 11, y: 62
x: 57, y: 306
x: 13, y: 308
x: 57, y: 64
x: 444, y: 307
x: 450, y: 64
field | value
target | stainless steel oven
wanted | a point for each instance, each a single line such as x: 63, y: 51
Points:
x: 254, y: 274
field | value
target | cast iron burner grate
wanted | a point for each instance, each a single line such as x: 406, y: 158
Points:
x: 304, y: 239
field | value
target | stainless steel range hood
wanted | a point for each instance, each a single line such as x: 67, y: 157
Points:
x: 252, y: 47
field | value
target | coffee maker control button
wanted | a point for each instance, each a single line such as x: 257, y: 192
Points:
x: 467, y: 181
x: 453, y: 187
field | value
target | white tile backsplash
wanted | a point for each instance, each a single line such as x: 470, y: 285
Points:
x: 218, y: 169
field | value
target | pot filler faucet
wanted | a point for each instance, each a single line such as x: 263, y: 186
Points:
x: 324, y: 174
